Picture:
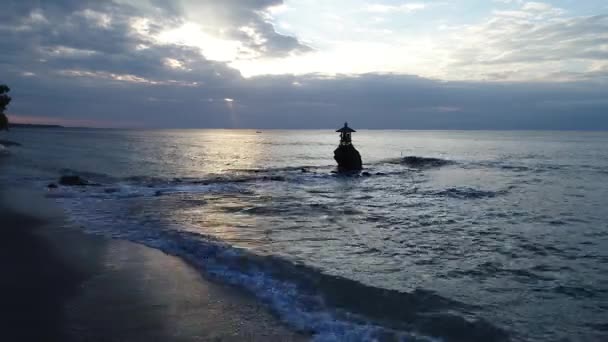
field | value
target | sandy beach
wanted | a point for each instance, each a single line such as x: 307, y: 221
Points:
x: 64, y: 285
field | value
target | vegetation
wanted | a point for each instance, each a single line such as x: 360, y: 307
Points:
x: 4, y: 101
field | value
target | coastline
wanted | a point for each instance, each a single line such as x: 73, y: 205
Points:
x: 65, y: 285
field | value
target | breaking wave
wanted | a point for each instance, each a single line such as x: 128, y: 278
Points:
x: 327, y: 306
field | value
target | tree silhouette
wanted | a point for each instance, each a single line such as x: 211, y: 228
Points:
x: 4, y: 101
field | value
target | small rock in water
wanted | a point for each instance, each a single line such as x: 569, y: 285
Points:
x: 304, y: 170
x: 277, y: 178
x: 366, y: 174
x: 73, y: 181
x: 380, y: 174
x: 52, y: 186
x: 158, y: 193
x: 422, y: 162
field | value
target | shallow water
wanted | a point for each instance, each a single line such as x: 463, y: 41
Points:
x: 483, y: 236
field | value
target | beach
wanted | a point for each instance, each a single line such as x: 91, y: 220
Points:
x: 64, y: 285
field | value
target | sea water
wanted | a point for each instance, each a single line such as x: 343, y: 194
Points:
x: 448, y: 235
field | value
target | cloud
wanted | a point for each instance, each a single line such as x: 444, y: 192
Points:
x: 246, y: 22
x: 537, y: 7
x: 315, y: 101
x: 101, y: 62
x: 509, y: 1
x: 403, y: 8
x: 101, y: 39
x: 536, y: 42
x: 514, y: 41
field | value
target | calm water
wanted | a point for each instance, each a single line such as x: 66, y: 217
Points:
x: 502, y: 236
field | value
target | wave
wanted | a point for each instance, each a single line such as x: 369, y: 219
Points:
x: 301, y: 168
x: 4, y: 152
x: 297, y: 174
x: 233, y: 176
x: 164, y: 185
x: 95, y: 177
x: 309, y: 300
x: 531, y: 166
x: 467, y: 193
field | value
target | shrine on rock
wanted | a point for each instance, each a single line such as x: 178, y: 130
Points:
x: 346, y: 154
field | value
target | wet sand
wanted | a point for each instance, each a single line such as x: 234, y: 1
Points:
x: 64, y: 285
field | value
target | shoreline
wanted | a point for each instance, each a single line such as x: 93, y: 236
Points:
x: 66, y: 285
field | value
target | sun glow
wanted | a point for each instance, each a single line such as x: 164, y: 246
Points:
x: 370, y: 57
x: 213, y: 48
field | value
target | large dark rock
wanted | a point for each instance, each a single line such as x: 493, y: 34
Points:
x: 348, y: 158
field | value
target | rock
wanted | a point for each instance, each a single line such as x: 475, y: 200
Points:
x: 366, y: 174
x: 380, y: 174
x: 52, y: 186
x: 75, y: 181
x: 72, y: 181
x: 304, y: 170
x: 158, y: 193
x: 348, y: 158
x: 422, y: 162
x: 277, y: 178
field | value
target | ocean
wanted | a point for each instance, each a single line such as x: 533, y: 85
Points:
x: 449, y: 235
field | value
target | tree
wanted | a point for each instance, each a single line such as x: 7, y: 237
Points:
x: 4, y: 101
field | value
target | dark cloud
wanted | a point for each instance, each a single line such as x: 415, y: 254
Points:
x: 78, y: 60
x: 370, y: 101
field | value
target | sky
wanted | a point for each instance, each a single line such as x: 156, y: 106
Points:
x: 427, y: 64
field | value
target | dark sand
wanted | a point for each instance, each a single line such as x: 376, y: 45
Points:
x: 63, y: 285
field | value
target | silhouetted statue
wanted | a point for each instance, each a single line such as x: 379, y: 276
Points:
x: 4, y: 101
x: 346, y: 154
